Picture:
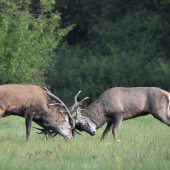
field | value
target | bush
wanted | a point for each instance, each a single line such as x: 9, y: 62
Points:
x: 125, y: 53
x: 27, y: 42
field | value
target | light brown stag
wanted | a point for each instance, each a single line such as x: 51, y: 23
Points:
x: 118, y: 104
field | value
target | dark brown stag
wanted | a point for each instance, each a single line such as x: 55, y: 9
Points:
x: 32, y: 103
x: 118, y: 104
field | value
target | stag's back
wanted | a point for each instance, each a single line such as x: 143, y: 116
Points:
x: 131, y: 101
x: 17, y: 95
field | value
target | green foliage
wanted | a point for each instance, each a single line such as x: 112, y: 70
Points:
x: 75, y: 70
x: 27, y: 42
x: 116, y: 44
x: 135, y: 49
x: 144, y: 145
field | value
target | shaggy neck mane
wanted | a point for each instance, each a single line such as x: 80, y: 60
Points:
x: 95, y: 114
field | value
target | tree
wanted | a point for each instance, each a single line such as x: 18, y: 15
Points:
x: 117, y: 43
x: 27, y: 41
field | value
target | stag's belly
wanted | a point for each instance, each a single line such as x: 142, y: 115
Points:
x: 127, y: 116
x: 17, y: 112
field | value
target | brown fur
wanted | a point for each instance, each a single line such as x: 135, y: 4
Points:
x: 117, y: 104
x: 31, y: 103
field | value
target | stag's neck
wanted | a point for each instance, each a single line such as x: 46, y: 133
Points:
x: 95, y: 113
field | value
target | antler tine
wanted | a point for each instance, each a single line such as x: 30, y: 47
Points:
x: 83, y: 100
x: 76, y: 103
x: 55, y: 134
x: 75, y: 98
x: 52, y: 104
x: 42, y: 131
x: 46, y: 90
x: 39, y: 128
x: 56, y: 98
x: 77, y: 132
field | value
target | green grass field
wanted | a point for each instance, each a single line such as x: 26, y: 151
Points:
x: 145, y: 144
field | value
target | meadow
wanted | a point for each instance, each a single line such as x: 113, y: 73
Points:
x: 144, y: 145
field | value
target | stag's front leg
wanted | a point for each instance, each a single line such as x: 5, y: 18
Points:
x: 107, y: 130
x: 28, y: 122
x: 116, y: 123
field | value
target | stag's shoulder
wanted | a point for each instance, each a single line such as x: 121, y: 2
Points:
x: 19, y: 86
x: 28, y: 90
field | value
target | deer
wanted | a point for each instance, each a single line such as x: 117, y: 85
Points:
x: 119, y: 104
x: 33, y: 103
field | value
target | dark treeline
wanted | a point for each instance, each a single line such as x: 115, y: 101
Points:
x: 28, y: 38
x: 113, y: 43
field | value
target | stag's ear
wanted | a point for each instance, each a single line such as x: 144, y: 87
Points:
x: 66, y: 116
x: 78, y: 112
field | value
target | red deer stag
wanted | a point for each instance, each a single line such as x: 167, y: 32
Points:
x: 32, y: 103
x: 118, y: 104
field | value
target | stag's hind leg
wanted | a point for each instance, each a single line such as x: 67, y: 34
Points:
x: 116, y: 123
x: 107, y: 130
x: 28, y: 122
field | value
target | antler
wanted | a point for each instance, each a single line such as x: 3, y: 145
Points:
x: 61, y: 104
x: 76, y: 103
x: 42, y: 131
x: 50, y: 133
x: 46, y: 132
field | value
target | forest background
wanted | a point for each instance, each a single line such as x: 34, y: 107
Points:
x: 87, y: 45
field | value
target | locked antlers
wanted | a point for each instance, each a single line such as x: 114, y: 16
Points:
x: 61, y: 104
x: 76, y: 103
x: 47, y: 133
x: 69, y: 112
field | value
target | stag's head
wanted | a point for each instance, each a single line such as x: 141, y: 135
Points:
x: 84, y: 123
x: 62, y: 123
x: 63, y: 126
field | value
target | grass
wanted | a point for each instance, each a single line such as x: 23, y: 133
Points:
x: 144, y: 145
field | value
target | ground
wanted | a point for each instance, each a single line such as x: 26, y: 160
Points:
x: 144, y: 145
